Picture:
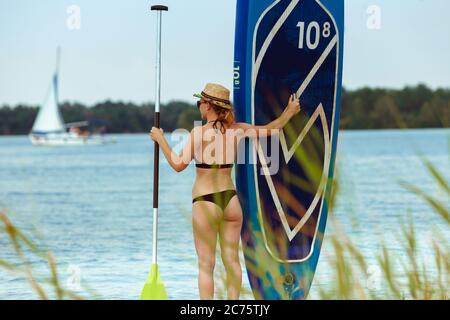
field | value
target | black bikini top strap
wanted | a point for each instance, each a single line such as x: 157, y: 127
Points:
x: 222, y: 127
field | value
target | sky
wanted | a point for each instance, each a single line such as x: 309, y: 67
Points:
x: 110, y: 54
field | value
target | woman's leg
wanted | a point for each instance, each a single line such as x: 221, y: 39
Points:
x: 205, y: 222
x: 230, y: 233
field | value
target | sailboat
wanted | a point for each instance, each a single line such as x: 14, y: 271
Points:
x: 49, y: 128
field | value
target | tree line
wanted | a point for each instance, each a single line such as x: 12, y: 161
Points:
x: 366, y: 108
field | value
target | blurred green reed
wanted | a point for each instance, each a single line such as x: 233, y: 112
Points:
x: 405, y: 277
x: 25, y: 250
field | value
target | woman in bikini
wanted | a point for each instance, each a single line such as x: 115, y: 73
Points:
x: 216, y: 211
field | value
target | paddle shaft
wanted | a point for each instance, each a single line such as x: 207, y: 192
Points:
x: 157, y: 124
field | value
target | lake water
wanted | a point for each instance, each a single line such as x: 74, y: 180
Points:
x: 92, y: 206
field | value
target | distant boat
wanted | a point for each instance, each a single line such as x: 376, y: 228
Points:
x: 49, y: 128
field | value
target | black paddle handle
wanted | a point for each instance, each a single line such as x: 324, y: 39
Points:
x: 156, y: 165
x: 159, y: 8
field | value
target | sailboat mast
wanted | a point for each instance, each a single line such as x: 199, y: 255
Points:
x: 56, y: 86
x: 56, y: 74
x: 58, y: 54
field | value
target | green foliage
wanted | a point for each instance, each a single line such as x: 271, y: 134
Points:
x: 120, y: 117
x: 187, y: 118
x: 18, y: 120
x: 411, y: 107
x: 366, y: 108
x: 403, y: 276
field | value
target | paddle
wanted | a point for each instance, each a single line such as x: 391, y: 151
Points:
x: 154, y: 287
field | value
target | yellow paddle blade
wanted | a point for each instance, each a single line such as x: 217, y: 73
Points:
x: 153, y: 287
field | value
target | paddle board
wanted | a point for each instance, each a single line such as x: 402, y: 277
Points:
x: 284, y: 47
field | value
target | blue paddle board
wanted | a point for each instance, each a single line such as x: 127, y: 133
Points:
x: 284, y: 47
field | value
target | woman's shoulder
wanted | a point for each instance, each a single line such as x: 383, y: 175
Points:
x: 240, y: 125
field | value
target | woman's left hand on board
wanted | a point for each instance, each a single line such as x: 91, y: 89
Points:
x: 156, y: 134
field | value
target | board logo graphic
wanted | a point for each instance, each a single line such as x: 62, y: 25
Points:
x: 294, y: 53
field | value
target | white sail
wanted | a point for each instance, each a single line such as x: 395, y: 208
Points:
x: 49, y: 128
x: 49, y: 119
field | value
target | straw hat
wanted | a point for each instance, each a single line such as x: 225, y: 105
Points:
x: 217, y: 95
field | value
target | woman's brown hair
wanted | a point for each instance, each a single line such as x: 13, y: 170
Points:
x: 224, y: 116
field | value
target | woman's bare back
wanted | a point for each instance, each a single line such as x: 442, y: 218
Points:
x: 213, y: 146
